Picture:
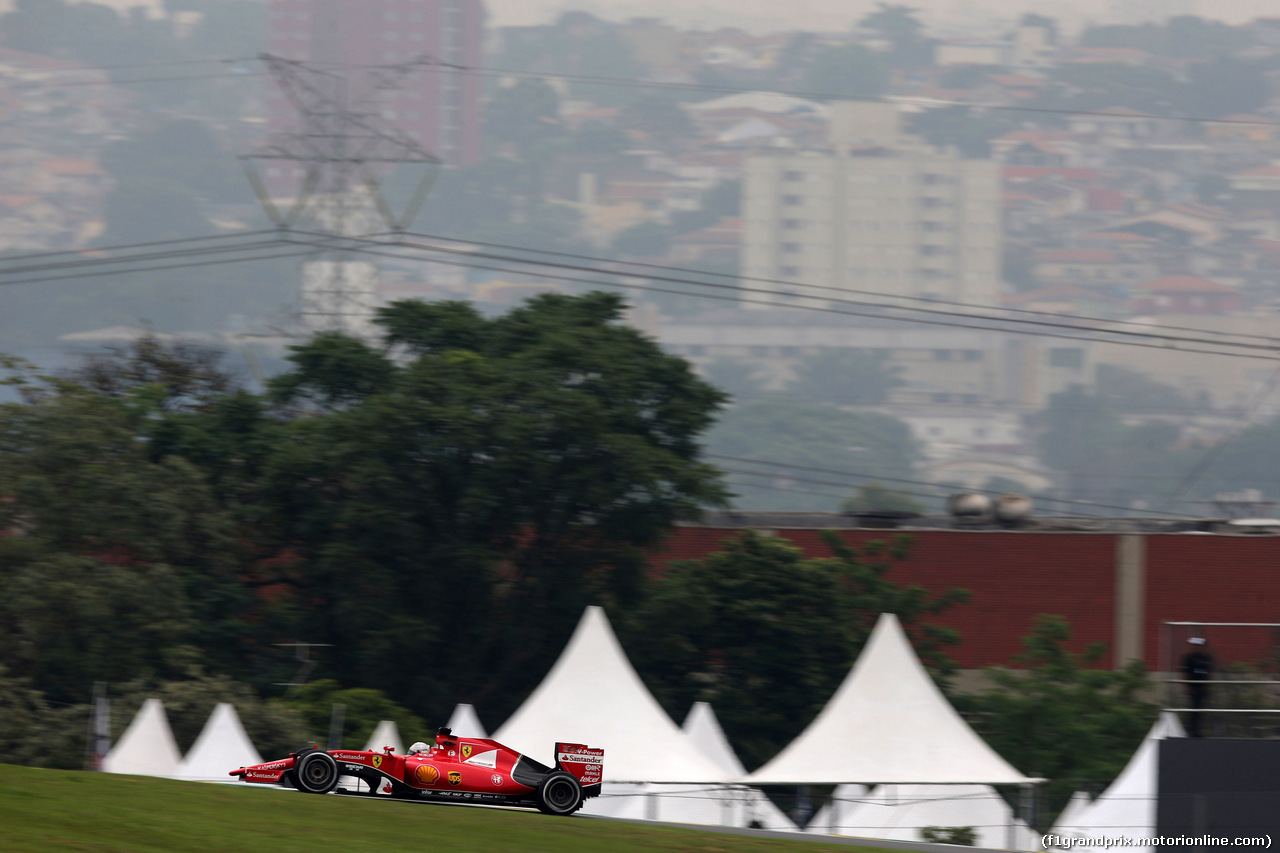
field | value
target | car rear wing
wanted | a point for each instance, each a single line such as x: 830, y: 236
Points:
x: 582, y: 761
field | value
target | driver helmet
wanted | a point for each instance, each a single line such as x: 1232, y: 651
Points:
x: 419, y: 747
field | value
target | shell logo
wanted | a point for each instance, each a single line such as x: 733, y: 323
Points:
x: 426, y: 774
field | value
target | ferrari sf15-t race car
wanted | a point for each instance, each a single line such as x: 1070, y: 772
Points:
x: 467, y: 770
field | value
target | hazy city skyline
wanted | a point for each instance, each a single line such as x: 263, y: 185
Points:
x: 761, y: 15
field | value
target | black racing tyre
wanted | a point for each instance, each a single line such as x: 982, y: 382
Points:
x: 559, y: 793
x: 316, y: 773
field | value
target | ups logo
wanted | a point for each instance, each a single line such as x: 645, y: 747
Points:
x: 455, y: 778
x: 466, y: 750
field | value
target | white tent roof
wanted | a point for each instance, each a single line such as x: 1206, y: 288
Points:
x: 1075, y: 808
x: 385, y: 734
x: 593, y: 695
x: 147, y: 747
x: 704, y: 730
x: 887, y: 723
x: 1128, y: 806
x: 465, y: 722
x: 739, y: 807
x: 222, y: 747
x: 899, y: 812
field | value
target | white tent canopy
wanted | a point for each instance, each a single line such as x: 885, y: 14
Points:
x: 888, y: 723
x: 1128, y: 806
x: 385, y: 734
x: 147, y: 747
x: 739, y: 806
x: 221, y: 747
x: 704, y: 730
x: 900, y: 812
x: 592, y: 695
x: 465, y: 722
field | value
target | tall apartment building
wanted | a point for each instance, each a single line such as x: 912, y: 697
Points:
x: 437, y: 107
x: 876, y: 211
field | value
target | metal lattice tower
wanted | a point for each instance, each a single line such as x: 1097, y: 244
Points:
x: 342, y: 146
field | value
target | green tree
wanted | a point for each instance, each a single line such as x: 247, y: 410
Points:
x: 820, y: 438
x: 363, y: 709
x: 109, y: 537
x: 874, y: 496
x: 1130, y: 391
x: 900, y: 25
x: 644, y: 239
x: 757, y: 621
x: 845, y: 377
x: 183, y: 153
x: 968, y: 130
x: 1102, y: 459
x: 523, y: 114
x: 1224, y: 87
x: 149, y: 209
x: 1062, y: 718
x: 1109, y: 84
x: 657, y: 116
x: 850, y: 71
x: 506, y: 472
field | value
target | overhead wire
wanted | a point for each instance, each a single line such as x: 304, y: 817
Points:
x: 932, y: 316
x: 929, y: 301
x: 139, y: 258
x: 23, y: 256
x: 286, y: 250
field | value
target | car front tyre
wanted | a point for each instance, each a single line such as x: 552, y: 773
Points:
x: 316, y: 773
x: 559, y: 794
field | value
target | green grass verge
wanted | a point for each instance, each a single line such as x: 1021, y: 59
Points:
x: 54, y: 810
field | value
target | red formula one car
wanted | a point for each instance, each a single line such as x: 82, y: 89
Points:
x: 474, y: 770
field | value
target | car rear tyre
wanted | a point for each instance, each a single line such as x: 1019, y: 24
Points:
x: 559, y: 794
x: 316, y: 773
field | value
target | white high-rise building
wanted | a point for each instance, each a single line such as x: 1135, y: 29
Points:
x: 876, y: 211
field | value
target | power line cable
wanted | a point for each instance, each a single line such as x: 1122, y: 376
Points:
x: 125, y: 246
x: 978, y: 321
x: 930, y: 301
x: 173, y: 266
x: 137, y: 258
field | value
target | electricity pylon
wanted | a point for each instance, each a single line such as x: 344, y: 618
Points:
x: 341, y: 147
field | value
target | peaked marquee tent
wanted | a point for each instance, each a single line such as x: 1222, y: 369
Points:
x: 1128, y: 806
x: 147, y: 747
x: 887, y: 723
x: 221, y: 747
x: 749, y: 805
x: 466, y: 723
x: 592, y: 695
x: 385, y: 734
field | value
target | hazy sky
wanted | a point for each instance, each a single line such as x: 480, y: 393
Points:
x: 773, y: 15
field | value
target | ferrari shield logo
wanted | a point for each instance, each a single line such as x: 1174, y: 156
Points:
x: 377, y: 761
x: 455, y: 778
x: 466, y: 750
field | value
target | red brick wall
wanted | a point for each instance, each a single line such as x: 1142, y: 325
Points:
x: 1213, y: 579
